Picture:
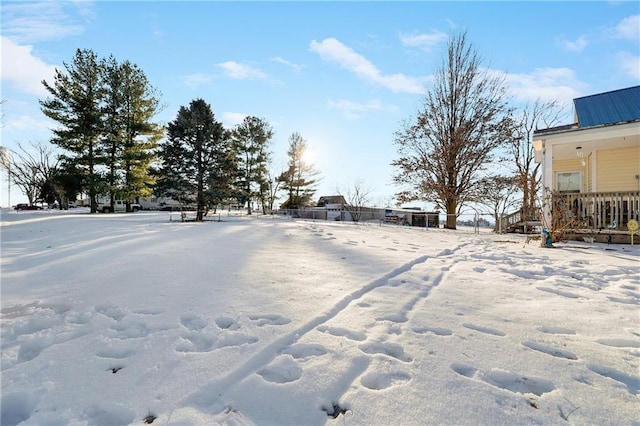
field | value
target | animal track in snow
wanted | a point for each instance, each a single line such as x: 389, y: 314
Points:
x: 116, y: 353
x: 393, y: 317
x: 108, y: 414
x: 555, y: 330
x: 227, y: 323
x: 559, y: 353
x: 17, y: 407
x: 438, y: 331
x: 390, y: 349
x: 379, y: 381
x: 110, y: 311
x: 624, y: 301
x: 342, y: 332
x: 195, y: 342
x: 559, y: 293
x: 619, y: 343
x: 506, y: 380
x: 235, y: 339
x: 192, y: 322
x: 485, y: 330
x: 281, y: 370
x: 631, y: 382
x: 269, y: 319
x: 301, y: 350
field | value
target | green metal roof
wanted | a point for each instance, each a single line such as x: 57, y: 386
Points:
x: 617, y: 106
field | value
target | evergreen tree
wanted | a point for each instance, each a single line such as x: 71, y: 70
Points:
x: 141, y: 135
x: 112, y: 133
x: 105, y: 109
x: 251, y: 139
x: 75, y: 104
x: 195, y: 145
x: 299, y: 178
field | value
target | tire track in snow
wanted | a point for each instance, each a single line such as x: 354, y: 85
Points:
x: 209, y: 398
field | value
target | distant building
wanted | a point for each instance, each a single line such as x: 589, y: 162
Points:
x: 332, y: 199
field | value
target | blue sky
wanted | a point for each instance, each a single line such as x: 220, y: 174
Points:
x: 342, y: 74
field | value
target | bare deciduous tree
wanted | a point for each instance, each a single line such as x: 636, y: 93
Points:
x: 32, y: 170
x: 520, y: 153
x: 464, y: 118
x: 499, y: 195
x: 357, y: 197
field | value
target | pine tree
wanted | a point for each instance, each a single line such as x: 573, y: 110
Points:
x: 196, y: 142
x: 75, y: 104
x: 251, y: 139
x: 140, y: 134
x: 299, y: 178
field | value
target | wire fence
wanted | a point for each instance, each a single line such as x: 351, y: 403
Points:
x: 466, y: 222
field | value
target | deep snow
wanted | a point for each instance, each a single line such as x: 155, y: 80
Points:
x: 122, y: 318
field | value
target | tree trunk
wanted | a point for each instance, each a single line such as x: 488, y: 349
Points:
x: 452, y: 206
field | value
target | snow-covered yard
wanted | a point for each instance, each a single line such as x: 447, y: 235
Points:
x: 133, y: 319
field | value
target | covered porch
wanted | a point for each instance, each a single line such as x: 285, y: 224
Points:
x: 600, y: 216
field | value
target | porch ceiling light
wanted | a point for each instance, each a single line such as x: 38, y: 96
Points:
x: 580, y: 155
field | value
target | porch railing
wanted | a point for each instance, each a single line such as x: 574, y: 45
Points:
x: 595, y: 210
x: 520, y: 220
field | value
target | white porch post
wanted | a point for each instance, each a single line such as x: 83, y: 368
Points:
x: 547, y: 183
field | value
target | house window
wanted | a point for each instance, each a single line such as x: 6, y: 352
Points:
x: 569, y: 182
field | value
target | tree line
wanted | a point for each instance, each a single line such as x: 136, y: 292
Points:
x: 447, y: 153
x: 111, y: 145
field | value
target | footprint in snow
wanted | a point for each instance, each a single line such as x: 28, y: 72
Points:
x: 301, y: 350
x: 342, y: 332
x: 195, y: 342
x: 485, y: 330
x: 559, y: 293
x: 555, y: 330
x: 379, y: 381
x: 110, y: 311
x: 192, y: 322
x: 559, y: 353
x: 104, y: 413
x: 396, y: 318
x: 235, y: 339
x: 620, y: 343
x: 390, y: 349
x: 506, y: 380
x: 18, y: 407
x: 116, y: 352
x: 438, y: 331
x: 281, y: 370
x: 227, y: 323
x: 631, y: 382
x: 269, y: 319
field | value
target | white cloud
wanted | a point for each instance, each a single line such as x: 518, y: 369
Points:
x: 295, y: 67
x: 424, y: 42
x: 547, y: 84
x: 23, y: 70
x: 630, y: 64
x: 354, y: 110
x: 197, y: 79
x: 239, y: 71
x: 231, y: 119
x: 332, y: 50
x: 36, y: 126
x: 629, y: 28
x: 575, y: 46
x: 27, y: 22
